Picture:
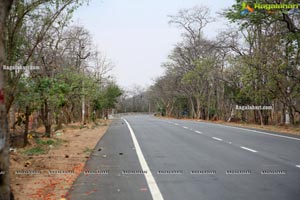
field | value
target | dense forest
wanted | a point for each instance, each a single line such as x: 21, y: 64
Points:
x: 252, y: 64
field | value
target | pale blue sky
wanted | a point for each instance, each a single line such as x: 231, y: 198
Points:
x: 136, y: 35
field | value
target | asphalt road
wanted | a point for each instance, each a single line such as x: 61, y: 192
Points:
x: 143, y: 157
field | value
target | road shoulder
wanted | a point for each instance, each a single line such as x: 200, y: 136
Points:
x: 50, y: 175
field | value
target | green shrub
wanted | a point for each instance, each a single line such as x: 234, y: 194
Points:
x: 35, y: 151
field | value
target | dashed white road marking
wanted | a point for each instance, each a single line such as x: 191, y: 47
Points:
x: 298, y: 166
x: 176, y: 124
x: 185, y: 127
x: 198, y: 132
x: 252, y: 150
x: 265, y: 133
x: 215, y: 138
x: 154, y: 190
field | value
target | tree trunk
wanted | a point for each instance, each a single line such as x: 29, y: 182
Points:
x: 47, y: 121
x: 198, y: 105
x: 46, y: 118
x: 291, y: 115
x: 256, y: 116
x: 48, y: 130
x: 27, y: 114
x: 169, y: 109
x: 243, y: 116
x: 203, y: 113
x: 193, y: 113
x: 5, y: 192
x: 266, y: 117
x: 208, y: 104
x: 70, y: 113
x: 87, y: 113
x: 12, y: 120
x: 261, y: 118
x: 59, y: 120
x: 282, y: 118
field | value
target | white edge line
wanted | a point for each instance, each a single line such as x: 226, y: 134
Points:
x: 154, y: 190
x: 248, y: 149
x: 215, y: 138
x: 282, y: 136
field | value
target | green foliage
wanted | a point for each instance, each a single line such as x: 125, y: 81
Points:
x: 35, y: 151
x: 53, y: 142
x: 200, y: 73
x: 182, y: 105
x: 162, y: 110
x: 27, y: 95
x: 108, y: 98
x: 42, y: 142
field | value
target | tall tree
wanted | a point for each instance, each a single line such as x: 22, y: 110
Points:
x: 5, y: 192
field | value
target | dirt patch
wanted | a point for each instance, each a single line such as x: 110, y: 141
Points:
x: 46, y: 169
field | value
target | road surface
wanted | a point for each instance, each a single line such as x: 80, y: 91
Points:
x: 142, y: 157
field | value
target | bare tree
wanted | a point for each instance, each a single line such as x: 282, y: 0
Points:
x: 193, y: 21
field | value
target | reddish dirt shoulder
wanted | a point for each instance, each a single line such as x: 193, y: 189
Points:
x: 49, y: 175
